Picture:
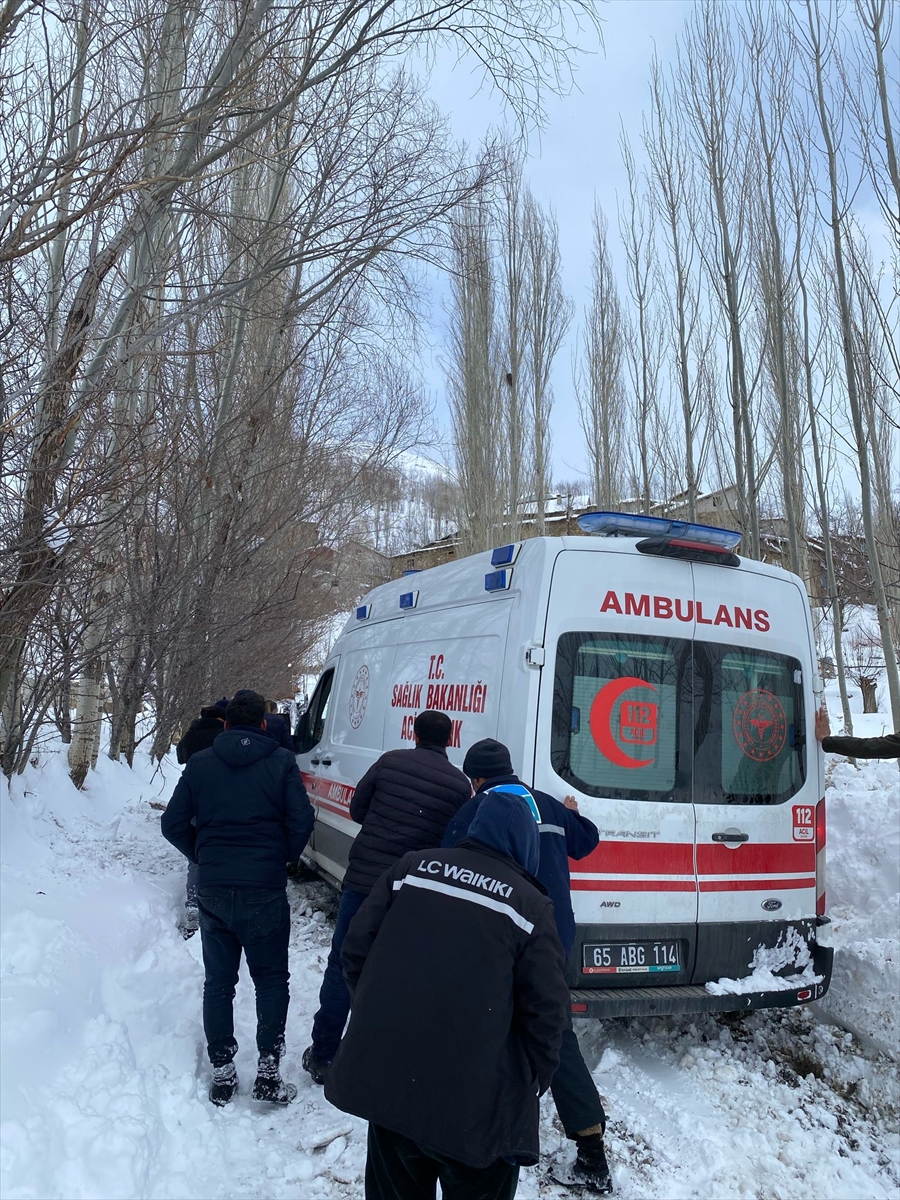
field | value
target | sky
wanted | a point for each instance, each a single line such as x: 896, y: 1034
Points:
x: 572, y: 162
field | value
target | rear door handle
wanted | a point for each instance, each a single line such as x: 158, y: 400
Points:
x: 731, y: 836
x: 326, y: 762
x: 315, y: 761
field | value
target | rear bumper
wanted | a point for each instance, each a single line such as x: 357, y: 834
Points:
x: 694, y: 998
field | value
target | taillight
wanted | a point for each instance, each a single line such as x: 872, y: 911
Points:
x: 820, y: 858
x: 579, y: 1008
x: 820, y: 825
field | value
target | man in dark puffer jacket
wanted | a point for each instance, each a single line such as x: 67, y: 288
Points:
x: 202, y: 732
x: 278, y: 727
x: 403, y: 803
x: 459, y: 1007
x: 240, y: 810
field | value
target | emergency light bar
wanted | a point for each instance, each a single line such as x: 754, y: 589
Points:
x: 669, y: 539
x: 610, y: 524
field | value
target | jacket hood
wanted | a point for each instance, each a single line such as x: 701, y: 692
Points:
x: 209, y: 723
x: 497, y: 781
x: 243, y: 745
x: 505, y: 823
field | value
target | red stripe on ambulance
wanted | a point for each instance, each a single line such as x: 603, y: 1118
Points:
x: 580, y: 884
x: 328, y: 793
x: 760, y: 858
x: 770, y: 884
x: 637, y: 858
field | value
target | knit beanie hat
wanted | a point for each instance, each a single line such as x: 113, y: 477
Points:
x: 487, y: 759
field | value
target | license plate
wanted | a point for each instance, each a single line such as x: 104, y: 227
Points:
x: 631, y: 958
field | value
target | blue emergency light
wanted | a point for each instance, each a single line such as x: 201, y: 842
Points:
x: 505, y: 556
x: 498, y: 581
x: 409, y: 599
x: 362, y: 613
x: 612, y: 524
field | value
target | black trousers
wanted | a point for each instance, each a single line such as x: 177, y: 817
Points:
x: 256, y: 921
x: 574, y: 1092
x: 398, y: 1169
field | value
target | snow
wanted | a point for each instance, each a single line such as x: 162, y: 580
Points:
x: 791, y: 951
x: 104, y: 1073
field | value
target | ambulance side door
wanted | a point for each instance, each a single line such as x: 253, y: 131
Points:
x: 352, y: 739
x: 755, y: 788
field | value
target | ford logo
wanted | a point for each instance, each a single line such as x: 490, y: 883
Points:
x: 771, y: 905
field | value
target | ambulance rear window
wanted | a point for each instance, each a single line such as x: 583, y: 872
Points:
x: 616, y: 715
x: 643, y: 718
x: 748, y: 719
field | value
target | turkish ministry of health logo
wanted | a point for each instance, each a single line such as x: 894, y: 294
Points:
x: 760, y: 725
x: 359, y: 697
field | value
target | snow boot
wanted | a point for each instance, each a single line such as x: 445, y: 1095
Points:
x: 190, y: 922
x: 590, y: 1169
x: 314, y: 1066
x: 269, y: 1086
x: 224, y: 1084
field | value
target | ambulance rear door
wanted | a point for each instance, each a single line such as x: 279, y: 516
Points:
x: 614, y: 730
x: 755, y: 790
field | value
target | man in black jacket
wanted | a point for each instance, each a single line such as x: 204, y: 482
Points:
x: 564, y: 834
x: 403, y: 803
x: 277, y: 726
x: 855, y: 747
x: 200, y: 736
x: 202, y: 732
x: 240, y: 810
x: 459, y: 1007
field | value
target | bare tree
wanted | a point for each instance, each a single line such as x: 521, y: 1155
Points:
x: 166, y: 169
x: 711, y: 92
x: 599, y: 383
x: 513, y: 340
x: 676, y: 204
x: 548, y: 315
x: 816, y: 41
x: 473, y: 380
x: 637, y: 228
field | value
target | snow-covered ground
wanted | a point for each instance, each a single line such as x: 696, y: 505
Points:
x: 104, y: 1078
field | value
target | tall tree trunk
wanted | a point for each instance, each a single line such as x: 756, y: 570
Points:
x: 818, y: 51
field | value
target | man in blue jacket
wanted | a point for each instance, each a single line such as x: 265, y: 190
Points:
x: 564, y: 834
x: 240, y: 810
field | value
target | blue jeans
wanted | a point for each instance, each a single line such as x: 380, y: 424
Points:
x: 334, y: 999
x: 256, y: 921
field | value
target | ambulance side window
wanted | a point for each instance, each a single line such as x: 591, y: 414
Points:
x: 618, y: 725
x: 749, y: 737
x: 312, y: 724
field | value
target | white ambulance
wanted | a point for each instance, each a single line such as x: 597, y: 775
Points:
x: 668, y: 685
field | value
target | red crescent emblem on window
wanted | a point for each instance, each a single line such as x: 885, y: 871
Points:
x: 637, y: 721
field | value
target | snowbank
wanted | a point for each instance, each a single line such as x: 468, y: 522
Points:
x: 104, y: 1074
x: 863, y: 889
